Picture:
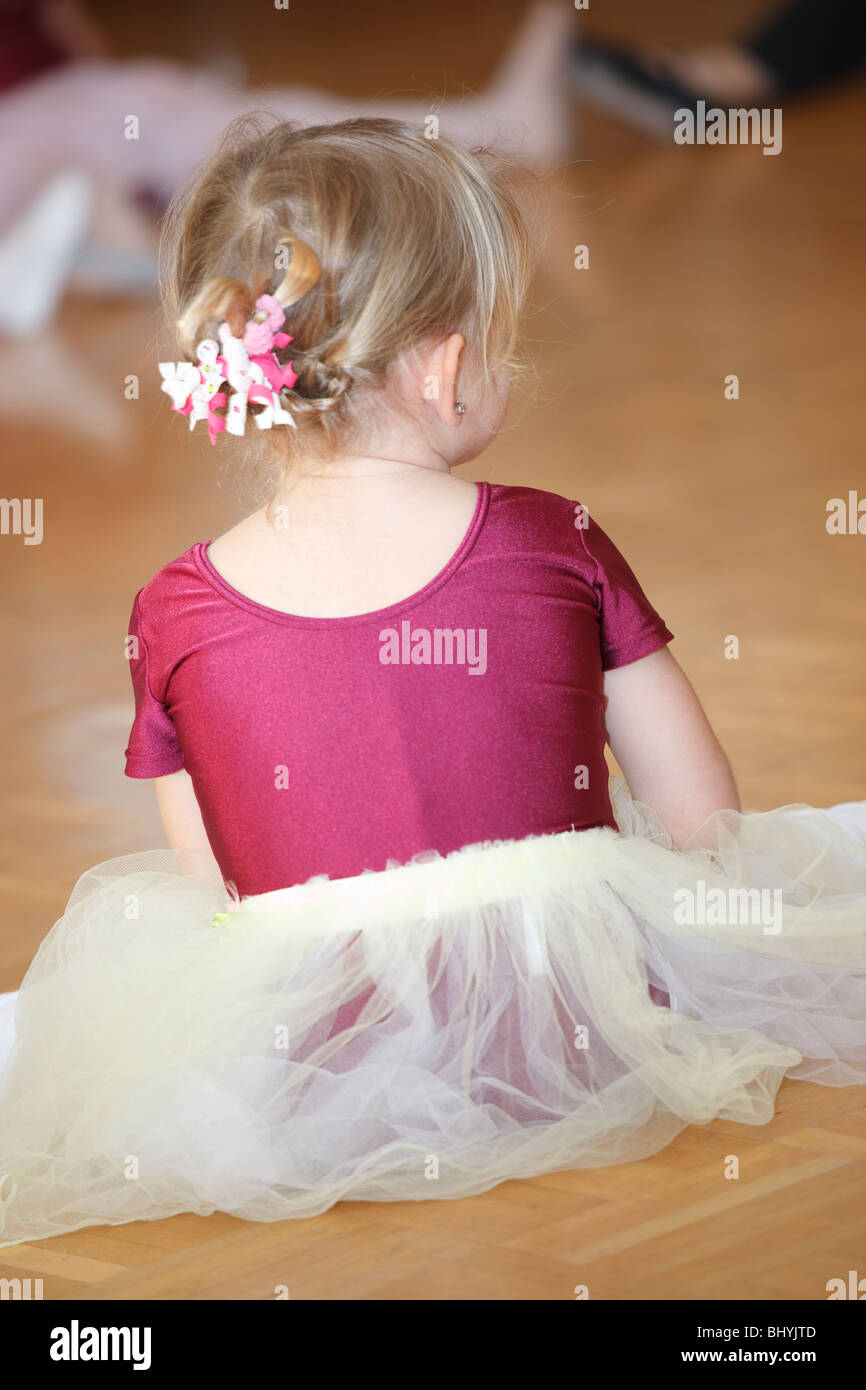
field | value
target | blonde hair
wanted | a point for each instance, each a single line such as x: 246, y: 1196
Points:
x: 376, y: 240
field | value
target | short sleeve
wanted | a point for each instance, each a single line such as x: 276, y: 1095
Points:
x: 630, y: 627
x: 153, y: 747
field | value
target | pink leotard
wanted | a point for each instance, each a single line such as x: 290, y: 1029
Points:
x: 472, y: 710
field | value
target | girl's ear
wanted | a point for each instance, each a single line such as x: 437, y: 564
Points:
x: 443, y: 372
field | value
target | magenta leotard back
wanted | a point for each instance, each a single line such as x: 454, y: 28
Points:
x: 472, y: 710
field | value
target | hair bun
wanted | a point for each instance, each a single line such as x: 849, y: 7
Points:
x: 320, y: 386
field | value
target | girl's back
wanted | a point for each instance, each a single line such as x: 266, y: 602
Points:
x: 450, y: 696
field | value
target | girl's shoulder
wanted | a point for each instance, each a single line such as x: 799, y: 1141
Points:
x: 561, y: 526
x: 532, y: 503
x: 174, y: 576
x: 560, y: 534
x: 175, y: 590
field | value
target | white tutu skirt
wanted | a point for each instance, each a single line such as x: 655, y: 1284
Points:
x: 564, y: 1001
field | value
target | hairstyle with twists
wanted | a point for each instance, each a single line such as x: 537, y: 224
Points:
x: 374, y: 238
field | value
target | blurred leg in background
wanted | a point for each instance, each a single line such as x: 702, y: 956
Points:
x: 802, y: 46
x: 81, y: 141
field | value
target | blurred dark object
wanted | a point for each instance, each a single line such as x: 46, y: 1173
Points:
x: 35, y: 37
x: 798, y: 48
x: 806, y: 45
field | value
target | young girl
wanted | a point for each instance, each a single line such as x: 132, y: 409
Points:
x: 406, y: 946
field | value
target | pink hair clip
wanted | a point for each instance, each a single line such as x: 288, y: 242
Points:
x: 248, y: 365
x: 260, y: 333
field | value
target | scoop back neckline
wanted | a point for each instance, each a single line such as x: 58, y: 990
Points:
x: 211, y: 574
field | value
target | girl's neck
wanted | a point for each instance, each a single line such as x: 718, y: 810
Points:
x: 392, y: 448
x: 366, y: 466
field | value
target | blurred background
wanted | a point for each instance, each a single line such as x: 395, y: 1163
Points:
x: 702, y: 262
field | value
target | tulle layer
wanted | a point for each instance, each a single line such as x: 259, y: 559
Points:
x: 426, y: 1032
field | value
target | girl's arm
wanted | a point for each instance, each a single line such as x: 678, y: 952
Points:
x: 181, y: 819
x: 663, y: 742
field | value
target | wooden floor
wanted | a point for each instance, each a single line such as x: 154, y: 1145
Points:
x: 703, y: 263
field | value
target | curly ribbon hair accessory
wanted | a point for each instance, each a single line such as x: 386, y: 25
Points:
x: 244, y: 359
